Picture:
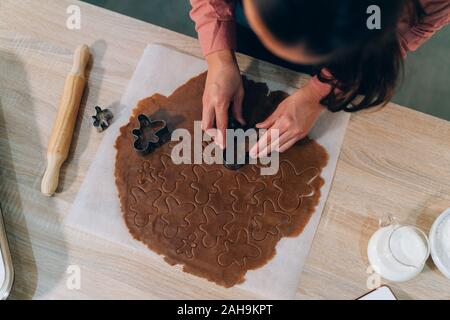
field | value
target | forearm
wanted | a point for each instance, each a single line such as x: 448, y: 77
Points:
x: 221, y: 58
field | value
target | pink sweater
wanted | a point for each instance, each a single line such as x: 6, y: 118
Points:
x: 215, y: 25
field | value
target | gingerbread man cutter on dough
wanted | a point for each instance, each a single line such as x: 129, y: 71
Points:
x: 149, y: 135
x: 232, y: 163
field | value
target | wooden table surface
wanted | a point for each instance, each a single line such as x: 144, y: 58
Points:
x: 393, y: 161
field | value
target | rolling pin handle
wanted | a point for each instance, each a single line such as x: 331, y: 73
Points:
x: 81, y: 59
x: 51, y: 176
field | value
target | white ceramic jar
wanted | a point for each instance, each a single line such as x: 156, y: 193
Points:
x: 398, y: 252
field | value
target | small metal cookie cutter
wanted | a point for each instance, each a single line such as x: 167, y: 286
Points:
x: 150, y: 134
x: 102, y: 119
x: 232, y: 164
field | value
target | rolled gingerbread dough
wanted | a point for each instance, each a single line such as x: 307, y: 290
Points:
x: 216, y: 223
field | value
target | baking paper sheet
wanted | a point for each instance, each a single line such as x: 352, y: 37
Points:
x: 162, y: 70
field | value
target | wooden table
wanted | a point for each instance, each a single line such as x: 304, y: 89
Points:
x: 395, y: 160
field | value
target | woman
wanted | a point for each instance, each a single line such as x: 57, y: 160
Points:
x: 358, y: 66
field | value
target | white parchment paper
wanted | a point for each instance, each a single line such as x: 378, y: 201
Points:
x: 162, y: 70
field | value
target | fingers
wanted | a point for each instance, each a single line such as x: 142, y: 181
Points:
x: 222, y: 124
x: 277, y: 138
x: 288, y: 144
x: 237, y: 108
x: 275, y: 145
x: 215, y: 110
x: 254, y: 151
x: 269, y: 122
x: 265, y: 150
x: 212, y: 133
x: 208, y: 116
x: 280, y: 145
x: 267, y: 143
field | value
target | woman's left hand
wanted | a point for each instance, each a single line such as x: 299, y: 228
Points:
x: 293, y: 119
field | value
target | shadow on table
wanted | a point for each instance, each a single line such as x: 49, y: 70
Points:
x: 17, y: 174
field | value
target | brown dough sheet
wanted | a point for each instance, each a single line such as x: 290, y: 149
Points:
x: 215, y: 222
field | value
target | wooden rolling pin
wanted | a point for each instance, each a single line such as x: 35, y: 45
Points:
x: 62, y: 133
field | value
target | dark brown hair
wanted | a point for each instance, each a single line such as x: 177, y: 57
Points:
x: 363, y: 62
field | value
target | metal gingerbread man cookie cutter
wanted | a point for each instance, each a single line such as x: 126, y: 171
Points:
x: 102, y: 118
x: 150, y: 134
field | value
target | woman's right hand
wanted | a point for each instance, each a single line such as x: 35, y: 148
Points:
x: 223, y: 88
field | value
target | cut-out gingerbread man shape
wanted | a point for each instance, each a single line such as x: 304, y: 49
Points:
x: 269, y: 222
x: 214, y: 227
x: 238, y: 251
x: 143, y: 205
x: 269, y: 193
x: 244, y: 193
x: 293, y: 190
x: 183, y: 189
x: 253, y: 172
x: 147, y: 173
x: 175, y: 217
x: 188, y: 246
x: 171, y: 174
x: 205, y: 183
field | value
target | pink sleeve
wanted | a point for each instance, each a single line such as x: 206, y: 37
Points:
x: 437, y: 15
x: 215, y: 25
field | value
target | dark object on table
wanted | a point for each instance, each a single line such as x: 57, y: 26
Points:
x: 150, y: 134
x: 102, y: 118
x: 232, y: 164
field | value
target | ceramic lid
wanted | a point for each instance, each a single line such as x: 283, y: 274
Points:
x: 439, y: 250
